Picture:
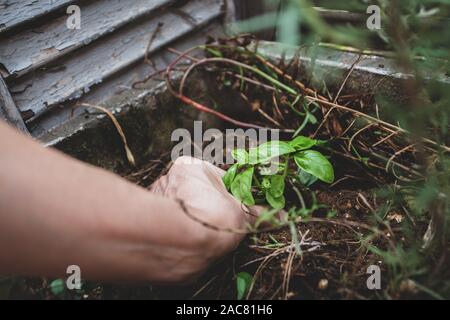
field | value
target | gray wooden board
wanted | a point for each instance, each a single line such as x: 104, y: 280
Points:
x: 16, y: 12
x: 8, y: 110
x: 27, y: 50
x: 116, y: 91
x: 90, y: 65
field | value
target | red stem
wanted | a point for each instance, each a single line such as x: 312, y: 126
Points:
x: 200, y: 106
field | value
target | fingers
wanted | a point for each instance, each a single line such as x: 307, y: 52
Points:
x: 189, y: 163
x: 200, y: 184
x: 256, y: 211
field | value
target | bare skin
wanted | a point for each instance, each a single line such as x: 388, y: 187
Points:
x: 56, y: 211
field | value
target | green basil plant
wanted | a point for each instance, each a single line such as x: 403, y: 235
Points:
x: 253, y: 174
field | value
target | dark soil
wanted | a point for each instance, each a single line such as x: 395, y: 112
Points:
x: 334, y: 270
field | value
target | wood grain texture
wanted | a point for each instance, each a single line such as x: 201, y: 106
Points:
x: 8, y: 109
x: 32, y: 48
x: 76, y: 73
x: 117, y: 91
x: 16, y: 12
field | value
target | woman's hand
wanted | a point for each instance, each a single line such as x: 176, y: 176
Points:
x: 56, y: 211
x: 198, y: 187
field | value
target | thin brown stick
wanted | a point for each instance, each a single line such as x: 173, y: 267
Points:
x: 390, y: 160
x: 350, y: 142
x: 150, y: 42
x: 325, y: 118
x: 129, y: 154
x: 387, y: 125
x: 385, y: 138
x: 346, y: 78
x: 324, y: 101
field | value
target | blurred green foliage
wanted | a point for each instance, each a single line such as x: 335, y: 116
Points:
x: 417, y: 34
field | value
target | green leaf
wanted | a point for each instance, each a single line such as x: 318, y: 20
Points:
x: 58, y: 286
x: 214, y: 52
x: 230, y: 175
x: 331, y: 214
x: 240, y: 155
x: 236, y: 187
x: 275, y: 202
x: 302, y: 143
x: 265, y: 183
x: 306, y: 178
x: 241, y: 187
x: 243, y: 283
x: 316, y: 164
x: 269, y: 169
x: 276, y: 185
x: 271, y: 149
x: 312, y: 118
x: 246, y: 187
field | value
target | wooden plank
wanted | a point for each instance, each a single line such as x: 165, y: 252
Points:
x: 39, y: 91
x: 8, y: 109
x: 117, y: 90
x: 32, y: 48
x: 15, y: 13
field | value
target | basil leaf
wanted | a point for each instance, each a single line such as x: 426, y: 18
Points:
x: 246, y: 187
x: 230, y: 175
x: 275, y: 202
x: 236, y: 187
x: 276, y: 185
x: 316, y: 164
x: 240, y: 155
x: 241, y: 187
x: 302, y: 143
x: 265, y: 184
x: 306, y: 178
x: 271, y: 149
x: 243, y: 282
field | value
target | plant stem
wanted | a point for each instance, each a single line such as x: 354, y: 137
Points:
x: 258, y: 184
x: 286, y: 167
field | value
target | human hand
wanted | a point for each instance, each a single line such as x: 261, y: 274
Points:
x: 199, y: 188
x: 126, y: 234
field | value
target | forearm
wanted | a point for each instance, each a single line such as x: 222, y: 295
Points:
x: 56, y: 211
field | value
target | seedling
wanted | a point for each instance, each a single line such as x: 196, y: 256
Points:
x: 243, y: 283
x: 260, y: 174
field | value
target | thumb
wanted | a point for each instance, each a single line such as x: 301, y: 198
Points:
x: 256, y: 211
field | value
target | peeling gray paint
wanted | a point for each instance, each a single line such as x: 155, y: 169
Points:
x: 105, y: 57
x: 16, y: 12
x: 119, y: 88
x: 332, y: 59
x: 32, y: 48
x: 8, y: 110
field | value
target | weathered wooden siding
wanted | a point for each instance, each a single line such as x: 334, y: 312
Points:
x: 23, y: 51
x: 118, y: 89
x: 8, y: 109
x: 46, y: 65
x: 16, y: 12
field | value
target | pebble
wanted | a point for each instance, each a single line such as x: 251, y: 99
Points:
x: 323, y: 284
